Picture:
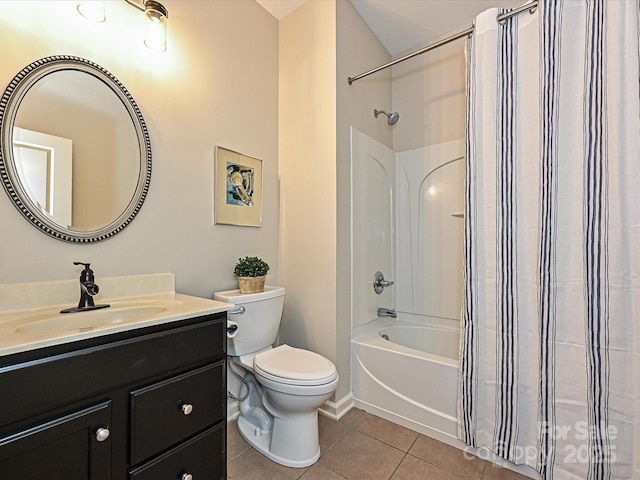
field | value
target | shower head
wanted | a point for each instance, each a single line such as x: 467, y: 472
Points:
x: 392, y: 118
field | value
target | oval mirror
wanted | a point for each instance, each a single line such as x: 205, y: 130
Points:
x: 75, y: 154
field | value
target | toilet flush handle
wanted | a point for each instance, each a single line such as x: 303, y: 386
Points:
x: 232, y: 329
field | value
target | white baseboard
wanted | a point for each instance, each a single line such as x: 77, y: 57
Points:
x: 337, y: 410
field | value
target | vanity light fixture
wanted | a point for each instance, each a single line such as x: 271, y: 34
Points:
x: 156, y: 33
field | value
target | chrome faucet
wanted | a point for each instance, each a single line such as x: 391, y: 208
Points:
x: 379, y: 282
x: 88, y: 289
x: 387, y: 312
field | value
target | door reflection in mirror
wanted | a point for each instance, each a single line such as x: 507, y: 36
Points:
x: 45, y: 167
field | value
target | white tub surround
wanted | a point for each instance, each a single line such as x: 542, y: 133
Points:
x: 30, y: 315
x: 429, y: 221
x: 408, y: 222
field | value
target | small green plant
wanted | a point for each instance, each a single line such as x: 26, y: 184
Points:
x: 251, y: 267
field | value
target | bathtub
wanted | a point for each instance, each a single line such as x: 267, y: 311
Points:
x: 410, y: 379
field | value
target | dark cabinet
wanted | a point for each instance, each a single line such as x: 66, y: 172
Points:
x: 142, y: 404
x: 71, y: 447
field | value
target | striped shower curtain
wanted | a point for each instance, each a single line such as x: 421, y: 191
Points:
x: 550, y: 358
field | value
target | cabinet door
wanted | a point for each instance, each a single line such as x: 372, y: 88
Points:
x: 65, y: 448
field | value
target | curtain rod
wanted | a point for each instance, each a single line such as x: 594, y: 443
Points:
x: 531, y: 7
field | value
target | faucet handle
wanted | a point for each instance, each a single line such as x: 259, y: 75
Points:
x: 379, y: 282
x: 87, y: 274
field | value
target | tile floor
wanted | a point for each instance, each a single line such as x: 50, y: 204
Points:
x: 363, y: 446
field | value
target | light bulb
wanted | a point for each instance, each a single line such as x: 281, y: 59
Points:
x: 156, y: 36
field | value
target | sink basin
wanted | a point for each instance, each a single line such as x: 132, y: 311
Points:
x: 30, y: 315
x: 84, y: 321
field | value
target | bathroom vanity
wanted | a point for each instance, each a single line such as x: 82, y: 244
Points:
x: 142, y: 399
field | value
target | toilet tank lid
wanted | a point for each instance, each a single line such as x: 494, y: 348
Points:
x: 237, y: 298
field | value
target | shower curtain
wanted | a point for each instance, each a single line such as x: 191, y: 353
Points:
x: 550, y: 364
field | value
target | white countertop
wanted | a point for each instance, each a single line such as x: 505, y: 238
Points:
x: 30, y: 315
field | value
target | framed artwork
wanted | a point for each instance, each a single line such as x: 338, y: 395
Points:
x: 238, y: 189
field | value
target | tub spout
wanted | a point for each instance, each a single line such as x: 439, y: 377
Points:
x: 387, y: 312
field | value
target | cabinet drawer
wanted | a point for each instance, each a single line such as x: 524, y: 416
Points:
x: 203, y: 457
x: 167, y: 412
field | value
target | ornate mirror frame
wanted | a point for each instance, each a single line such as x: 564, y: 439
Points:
x: 9, y: 106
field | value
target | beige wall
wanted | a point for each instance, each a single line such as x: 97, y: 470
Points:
x: 216, y: 85
x: 429, y: 94
x: 307, y: 165
x: 321, y: 44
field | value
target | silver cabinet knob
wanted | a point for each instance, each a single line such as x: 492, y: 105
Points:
x: 187, y: 408
x: 186, y: 476
x: 102, y: 434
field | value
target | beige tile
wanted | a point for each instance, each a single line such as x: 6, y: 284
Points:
x: 332, y: 431
x: 413, y: 468
x: 448, y: 458
x: 320, y: 472
x: 388, y: 432
x: 495, y: 472
x: 235, y: 443
x: 252, y: 465
x: 352, y: 418
x: 357, y: 456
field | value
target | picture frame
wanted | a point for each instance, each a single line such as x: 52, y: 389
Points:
x: 237, y: 189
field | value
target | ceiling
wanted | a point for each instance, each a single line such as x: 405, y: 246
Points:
x: 403, y: 25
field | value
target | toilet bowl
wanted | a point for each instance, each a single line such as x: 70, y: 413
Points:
x: 279, y: 414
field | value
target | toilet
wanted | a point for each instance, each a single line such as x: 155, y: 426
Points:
x: 279, y: 416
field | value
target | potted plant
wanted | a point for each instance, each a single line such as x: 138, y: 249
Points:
x: 250, y: 272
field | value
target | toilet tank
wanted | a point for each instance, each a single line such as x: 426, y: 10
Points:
x: 258, y: 325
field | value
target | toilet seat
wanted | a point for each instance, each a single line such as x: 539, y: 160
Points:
x: 294, y: 366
